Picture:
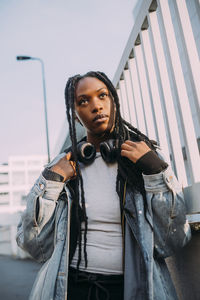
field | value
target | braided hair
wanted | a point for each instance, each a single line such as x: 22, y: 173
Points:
x: 126, y: 171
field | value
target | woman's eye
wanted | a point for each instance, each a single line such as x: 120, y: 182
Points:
x: 82, y: 101
x: 102, y: 95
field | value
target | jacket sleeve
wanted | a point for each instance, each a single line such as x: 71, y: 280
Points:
x: 35, y: 233
x: 166, y: 212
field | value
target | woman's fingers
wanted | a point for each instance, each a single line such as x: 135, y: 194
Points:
x: 134, y: 150
x: 65, y: 167
x: 68, y: 155
x: 131, y: 143
x: 72, y: 163
x: 126, y: 146
x: 127, y: 154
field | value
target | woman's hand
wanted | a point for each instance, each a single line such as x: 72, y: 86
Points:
x: 65, y: 167
x: 134, y: 150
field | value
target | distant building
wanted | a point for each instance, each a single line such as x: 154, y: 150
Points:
x: 4, y: 185
x: 16, y: 179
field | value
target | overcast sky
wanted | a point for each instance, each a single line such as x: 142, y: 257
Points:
x: 71, y: 36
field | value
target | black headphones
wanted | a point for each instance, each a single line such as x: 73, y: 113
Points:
x: 86, y: 152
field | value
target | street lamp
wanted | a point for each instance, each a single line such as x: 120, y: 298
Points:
x: 44, y: 93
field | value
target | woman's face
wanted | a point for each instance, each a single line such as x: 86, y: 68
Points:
x: 94, y: 105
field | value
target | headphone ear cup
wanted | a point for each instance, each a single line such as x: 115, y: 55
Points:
x: 86, y: 152
x: 109, y: 151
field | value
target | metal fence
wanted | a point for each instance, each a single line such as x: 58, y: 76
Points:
x: 158, y: 83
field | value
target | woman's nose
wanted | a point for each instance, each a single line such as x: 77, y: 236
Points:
x: 96, y: 105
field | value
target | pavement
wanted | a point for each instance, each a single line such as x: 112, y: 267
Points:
x: 16, y: 277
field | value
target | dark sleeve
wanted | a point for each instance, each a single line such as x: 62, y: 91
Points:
x: 150, y: 163
x: 50, y: 175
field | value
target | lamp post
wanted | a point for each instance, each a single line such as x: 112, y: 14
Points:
x: 44, y: 93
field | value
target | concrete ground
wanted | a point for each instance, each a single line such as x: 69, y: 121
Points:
x: 16, y: 277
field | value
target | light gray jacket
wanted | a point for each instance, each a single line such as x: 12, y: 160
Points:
x: 148, y: 239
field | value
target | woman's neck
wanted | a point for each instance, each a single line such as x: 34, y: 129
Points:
x: 96, y: 140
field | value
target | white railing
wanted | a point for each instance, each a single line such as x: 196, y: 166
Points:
x: 158, y: 82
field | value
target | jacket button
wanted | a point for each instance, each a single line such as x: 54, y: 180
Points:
x: 41, y: 185
x: 168, y: 179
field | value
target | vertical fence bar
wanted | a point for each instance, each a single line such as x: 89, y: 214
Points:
x: 182, y: 99
x: 155, y: 92
x: 137, y: 94
x: 130, y: 97
x: 169, y: 105
x: 191, y: 49
x: 145, y: 92
x: 124, y: 99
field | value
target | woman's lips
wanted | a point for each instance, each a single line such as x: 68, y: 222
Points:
x: 100, y: 118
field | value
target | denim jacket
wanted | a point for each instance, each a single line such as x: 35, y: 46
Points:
x: 151, y: 235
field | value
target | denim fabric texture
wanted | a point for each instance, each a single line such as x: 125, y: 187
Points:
x: 151, y: 235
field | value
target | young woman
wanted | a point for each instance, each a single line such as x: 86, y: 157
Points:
x: 105, y: 214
